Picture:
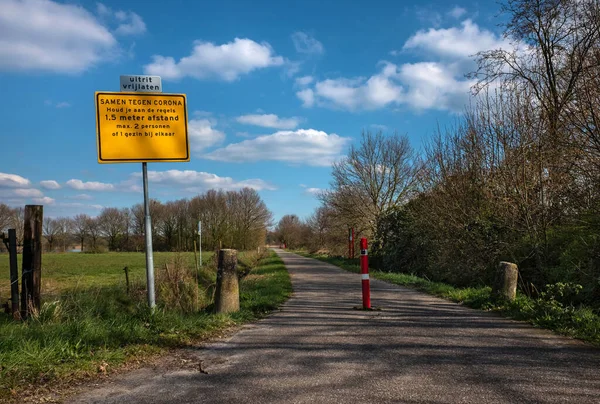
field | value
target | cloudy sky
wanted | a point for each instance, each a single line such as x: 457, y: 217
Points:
x: 276, y: 91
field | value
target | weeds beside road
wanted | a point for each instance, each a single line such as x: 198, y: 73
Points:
x: 91, y: 325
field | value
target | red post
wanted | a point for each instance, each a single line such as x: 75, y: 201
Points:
x: 364, y: 270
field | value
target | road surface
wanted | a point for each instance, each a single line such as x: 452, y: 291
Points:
x: 417, y: 349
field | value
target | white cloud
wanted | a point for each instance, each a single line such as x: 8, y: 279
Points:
x: 28, y: 193
x: 307, y: 96
x: 203, y: 135
x: 358, y: 93
x: 197, y: 181
x: 425, y: 85
x: 380, y: 127
x: 44, y: 201
x: 103, y: 10
x: 43, y: 35
x: 457, y: 12
x: 437, y: 82
x: 291, y: 67
x: 303, y: 146
x: 50, y: 184
x: 435, y: 86
x: 89, y: 186
x: 304, y: 81
x: 306, y: 43
x: 395, y: 52
x: 460, y: 42
x: 130, y: 23
x: 82, y: 197
x: 269, y: 121
x: 207, y: 60
x: 428, y: 15
x: 59, y: 105
x: 13, y: 181
x: 127, y: 22
x: 313, y: 191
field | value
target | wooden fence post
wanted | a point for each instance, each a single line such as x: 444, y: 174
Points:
x: 227, y: 295
x: 31, y: 272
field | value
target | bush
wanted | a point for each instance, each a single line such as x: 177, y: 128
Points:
x: 177, y: 286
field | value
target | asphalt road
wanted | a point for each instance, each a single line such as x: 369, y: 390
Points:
x: 417, y: 349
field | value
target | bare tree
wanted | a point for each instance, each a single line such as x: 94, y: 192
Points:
x: 65, y: 231
x: 112, y: 224
x: 253, y: 218
x: 50, y: 230
x: 552, y: 41
x: 378, y: 175
x: 18, y: 222
x: 80, y: 228
x: 6, y: 214
x: 93, y: 229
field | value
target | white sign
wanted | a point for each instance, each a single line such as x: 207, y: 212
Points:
x: 141, y: 84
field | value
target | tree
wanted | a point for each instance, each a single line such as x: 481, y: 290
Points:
x: 252, y: 218
x: 50, y: 230
x: 18, y: 222
x: 376, y: 176
x: 289, y: 231
x: 94, y: 231
x: 112, y: 224
x: 553, y: 41
x: 80, y: 228
x: 6, y: 214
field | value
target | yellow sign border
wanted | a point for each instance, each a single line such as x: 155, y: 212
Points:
x: 164, y: 160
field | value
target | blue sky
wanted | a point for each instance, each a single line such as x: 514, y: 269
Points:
x: 276, y: 90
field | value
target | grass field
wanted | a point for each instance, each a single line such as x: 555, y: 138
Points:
x: 89, y: 324
x: 70, y: 271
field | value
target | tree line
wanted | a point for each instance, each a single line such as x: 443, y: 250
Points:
x: 516, y: 178
x: 230, y: 219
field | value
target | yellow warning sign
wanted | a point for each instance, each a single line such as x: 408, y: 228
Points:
x: 141, y: 127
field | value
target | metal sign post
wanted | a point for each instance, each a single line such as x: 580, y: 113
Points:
x: 148, y: 231
x: 141, y: 124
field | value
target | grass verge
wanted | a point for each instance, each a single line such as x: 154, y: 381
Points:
x: 547, y: 311
x: 85, y: 332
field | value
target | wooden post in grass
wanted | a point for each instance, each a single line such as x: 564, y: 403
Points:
x: 227, y: 296
x: 505, y: 286
x: 31, y: 273
x: 126, y: 269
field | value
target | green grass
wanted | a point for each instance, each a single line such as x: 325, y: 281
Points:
x: 67, y: 271
x: 93, y: 325
x: 579, y: 322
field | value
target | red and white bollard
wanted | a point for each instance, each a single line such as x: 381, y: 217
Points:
x: 364, y: 270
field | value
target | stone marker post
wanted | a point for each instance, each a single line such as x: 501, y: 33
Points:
x: 227, y: 295
x: 507, y: 276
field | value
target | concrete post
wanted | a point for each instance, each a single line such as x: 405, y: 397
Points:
x: 506, y: 281
x: 227, y: 295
